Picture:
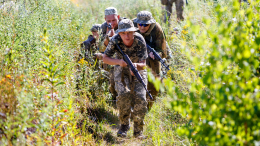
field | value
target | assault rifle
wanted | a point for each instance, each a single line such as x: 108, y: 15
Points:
x: 133, y: 69
x: 109, y: 26
x: 157, y: 57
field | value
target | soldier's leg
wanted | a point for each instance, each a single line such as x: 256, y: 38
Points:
x: 139, y: 109
x: 179, y: 9
x: 156, y: 69
x: 168, y: 13
x: 112, y: 84
x: 153, y: 92
x: 124, y: 106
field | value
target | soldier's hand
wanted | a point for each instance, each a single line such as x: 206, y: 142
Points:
x: 98, y: 56
x: 122, y: 63
x: 111, y: 32
x: 151, y: 55
x: 135, y: 65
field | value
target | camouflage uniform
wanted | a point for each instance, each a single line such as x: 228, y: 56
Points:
x: 88, y: 48
x: 129, y: 89
x: 91, y: 45
x: 110, y: 69
x: 108, y: 11
x: 179, y: 9
x: 155, y: 38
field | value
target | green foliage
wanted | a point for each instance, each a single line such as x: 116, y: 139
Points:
x: 214, y: 78
x: 39, y: 72
x: 222, y: 105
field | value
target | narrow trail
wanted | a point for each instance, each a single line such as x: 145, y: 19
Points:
x: 112, y: 125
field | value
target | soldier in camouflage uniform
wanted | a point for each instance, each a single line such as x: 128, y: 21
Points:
x: 154, y: 37
x: 91, y: 45
x: 129, y: 89
x: 179, y: 4
x: 88, y: 48
x: 112, y: 17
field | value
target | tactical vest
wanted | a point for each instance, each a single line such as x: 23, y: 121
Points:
x: 150, y: 39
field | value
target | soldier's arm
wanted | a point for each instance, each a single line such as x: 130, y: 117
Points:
x: 161, y: 42
x: 112, y: 61
x: 141, y: 65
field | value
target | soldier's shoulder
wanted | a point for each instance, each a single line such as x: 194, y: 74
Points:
x: 139, y: 37
x: 87, y: 42
x: 122, y: 18
x: 90, y: 37
x: 115, y: 37
x: 134, y: 21
x: 158, y: 27
x: 104, y: 27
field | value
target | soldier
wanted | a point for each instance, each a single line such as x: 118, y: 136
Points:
x: 127, y: 86
x: 88, y: 48
x: 111, y: 17
x: 91, y: 45
x: 154, y: 37
x: 179, y: 9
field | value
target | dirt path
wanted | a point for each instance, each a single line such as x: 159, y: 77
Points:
x: 111, y: 127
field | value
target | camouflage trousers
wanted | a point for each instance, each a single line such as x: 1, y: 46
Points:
x: 155, y: 66
x: 179, y: 4
x: 112, y: 84
x: 110, y: 69
x: 134, y: 101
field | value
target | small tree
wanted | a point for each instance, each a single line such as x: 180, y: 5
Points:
x: 223, y: 106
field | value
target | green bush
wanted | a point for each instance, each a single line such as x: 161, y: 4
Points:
x: 223, y: 103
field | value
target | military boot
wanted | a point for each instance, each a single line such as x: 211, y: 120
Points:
x: 122, y: 132
x: 139, y: 135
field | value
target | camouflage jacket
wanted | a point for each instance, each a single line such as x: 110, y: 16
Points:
x: 155, y: 38
x: 137, y: 52
x: 89, y: 46
x: 104, y: 27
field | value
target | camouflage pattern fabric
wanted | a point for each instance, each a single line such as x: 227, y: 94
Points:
x: 96, y: 27
x: 106, y: 66
x: 104, y: 28
x: 155, y: 38
x: 179, y: 4
x: 127, y: 86
x: 144, y: 17
x: 126, y: 25
x: 110, y: 11
x: 88, y: 47
x: 112, y: 84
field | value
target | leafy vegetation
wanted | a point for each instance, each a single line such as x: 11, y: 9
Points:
x: 222, y: 104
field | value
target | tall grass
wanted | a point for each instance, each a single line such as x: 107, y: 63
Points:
x: 38, y: 112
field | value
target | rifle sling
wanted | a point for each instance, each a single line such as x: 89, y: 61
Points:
x: 131, y: 82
